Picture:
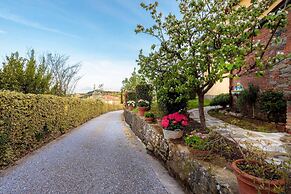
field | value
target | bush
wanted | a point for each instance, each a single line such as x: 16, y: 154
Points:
x: 144, y: 91
x: 27, y: 121
x: 220, y: 100
x: 248, y: 98
x: 130, y: 96
x: 273, y: 104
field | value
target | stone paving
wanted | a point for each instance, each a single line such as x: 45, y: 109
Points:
x: 277, y: 144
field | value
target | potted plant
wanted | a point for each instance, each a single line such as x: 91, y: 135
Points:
x: 149, y: 117
x: 142, y: 106
x: 173, y: 125
x: 257, y: 173
x: 130, y: 104
x: 198, y: 142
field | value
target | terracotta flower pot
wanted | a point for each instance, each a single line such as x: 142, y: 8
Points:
x: 130, y: 108
x: 141, y: 110
x: 200, y: 153
x: 249, y: 184
x: 159, y: 120
x: 169, y: 134
x: 149, y: 119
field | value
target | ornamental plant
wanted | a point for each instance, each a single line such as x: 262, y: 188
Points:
x: 175, y: 121
x: 197, y: 141
x: 143, y: 103
x: 149, y: 115
x: 131, y: 103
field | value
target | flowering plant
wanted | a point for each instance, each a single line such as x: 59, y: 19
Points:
x: 131, y: 103
x: 175, y: 121
x: 143, y: 103
x: 198, y: 141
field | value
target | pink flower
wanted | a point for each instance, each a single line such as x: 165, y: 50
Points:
x: 175, y: 122
x: 171, y: 116
x: 184, y: 123
x: 165, y: 122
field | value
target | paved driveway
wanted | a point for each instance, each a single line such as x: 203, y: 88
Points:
x: 101, y: 156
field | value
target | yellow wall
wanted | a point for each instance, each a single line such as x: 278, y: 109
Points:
x: 219, y: 87
x: 248, y: 2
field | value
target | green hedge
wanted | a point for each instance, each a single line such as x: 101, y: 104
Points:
x: 27, y: 121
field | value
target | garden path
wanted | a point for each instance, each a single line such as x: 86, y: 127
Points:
x: 277, y: 144
x: 101, y: 156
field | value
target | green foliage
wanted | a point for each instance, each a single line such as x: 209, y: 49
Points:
x: 196, y: 142
x: 191, y: 104
x: 248, y: 98
x: 168, y: 102
x: 24, y: 75
x: 204, y: 43
x: 129, y: 84
x: 130, y: 96
x: 27, y: 121
x: 149, y: 115
x: 220, y: 100
x: 144, y: 91
x: 273, y: 104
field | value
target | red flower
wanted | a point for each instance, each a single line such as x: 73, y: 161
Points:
x: 184, y: 123
x: 175, y: 122
x: 165, y: 122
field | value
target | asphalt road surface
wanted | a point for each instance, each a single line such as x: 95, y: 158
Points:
x: 101, y: 156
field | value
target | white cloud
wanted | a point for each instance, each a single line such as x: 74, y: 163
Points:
x: 32, y: 24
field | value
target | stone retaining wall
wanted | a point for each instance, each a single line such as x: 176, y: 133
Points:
x: 197, y: 176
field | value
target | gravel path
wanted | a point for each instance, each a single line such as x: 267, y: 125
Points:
x: 101, y: 156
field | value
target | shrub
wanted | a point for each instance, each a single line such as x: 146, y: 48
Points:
x: 144, y: 91
x: 27, y: 121
x: 171, y: 102
x: 130, y: 96
x: 220, y: 100
x: 273, y: 104
x: 248, y: 98
x: 149, y: 115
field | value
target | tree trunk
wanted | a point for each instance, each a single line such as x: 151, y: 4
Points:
x: 253, y: 107
x: 201, y: 111
x: 230, y: 94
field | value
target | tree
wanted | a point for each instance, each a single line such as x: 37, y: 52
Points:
x: 209, y: 39
x: 129, y: 84
x: 64, y: 75
x: 12, y: 73
x: 24, y: 74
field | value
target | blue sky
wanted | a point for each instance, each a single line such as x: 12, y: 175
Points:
x: 98, y: 33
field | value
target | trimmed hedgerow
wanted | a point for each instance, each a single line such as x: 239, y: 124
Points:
x: 27, y: 121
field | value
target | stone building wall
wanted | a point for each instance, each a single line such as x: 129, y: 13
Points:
x: 279, y: 77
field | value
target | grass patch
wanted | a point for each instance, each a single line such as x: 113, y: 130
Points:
x: 194, y: 103
x: 247, y: 123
